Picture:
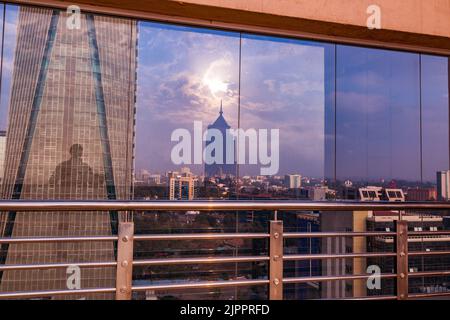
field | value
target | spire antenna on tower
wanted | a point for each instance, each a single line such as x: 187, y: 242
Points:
x: 221, y: 111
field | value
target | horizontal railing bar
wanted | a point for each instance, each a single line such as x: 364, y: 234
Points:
x: 287, y: 235
x: 429, y: 233
x: 200, y: 236
x: 291, y: 235
x: 207, y: 205
x: 359, y: 298
x: 369, y: 298
x: 176, y: 261
x: 46, y: 293
x: 196, y: 236
x: 291, y: 257
x: 57, y: 239
x: 428, y: 273
x: 336, y: 278
x: 202, y: 285
x: 428, y: 295
x: 428, y: 253
x: 6, y: 267
x: 210, y: 284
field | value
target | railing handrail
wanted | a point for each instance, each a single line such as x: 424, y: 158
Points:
x: 208, y: 205
x: 275, y: 258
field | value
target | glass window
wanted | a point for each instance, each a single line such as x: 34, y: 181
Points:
x: 67, y: 108
x: 7, y: 39
x: 377, y: 116
x: 435, y: 116
x: 286, y: 85
x: 188, y: 81
x: 186, y: 77
x: 96, y: 112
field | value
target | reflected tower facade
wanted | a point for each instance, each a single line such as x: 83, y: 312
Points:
x: 70, y: 136
x: 224, y: 168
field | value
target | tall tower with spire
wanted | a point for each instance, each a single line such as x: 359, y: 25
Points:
x: 217, y: 169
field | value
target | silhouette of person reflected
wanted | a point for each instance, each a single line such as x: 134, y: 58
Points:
x: 74, y: 172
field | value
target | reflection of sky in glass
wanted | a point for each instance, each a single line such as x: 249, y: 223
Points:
x: 183, y: 74
x: 282, y: 87
x: 377, y: 115
x: 8, y: 60
x: 435, y: 118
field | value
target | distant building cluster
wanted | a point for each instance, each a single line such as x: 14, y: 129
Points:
x: 289, y: 186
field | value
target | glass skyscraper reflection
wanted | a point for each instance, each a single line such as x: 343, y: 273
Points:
x: 69, y: 136
x: 351, y: 119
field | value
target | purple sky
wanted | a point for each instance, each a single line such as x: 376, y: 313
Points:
x: 184, y: 73
x: 179, y: 76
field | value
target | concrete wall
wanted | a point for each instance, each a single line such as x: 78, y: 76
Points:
x: 415, y: 25
x: 430, y: 17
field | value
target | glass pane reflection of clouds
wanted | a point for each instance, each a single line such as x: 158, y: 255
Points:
x: 283, y: 88
x: 377, y: 115
x: 9, y: 44
x: 391, y: 123
x: 183, y: 75
x: 435, y: 118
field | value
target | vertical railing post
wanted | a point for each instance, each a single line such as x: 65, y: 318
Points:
x: 124, y: 261
x: 276, y: 261
x: 402, y: 259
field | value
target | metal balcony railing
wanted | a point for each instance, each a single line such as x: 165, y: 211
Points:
x: 275, y: 280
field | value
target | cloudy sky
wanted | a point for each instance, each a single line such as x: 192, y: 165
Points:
x: 8, y: 59
x: 185, y: 73
x: 379, y: 109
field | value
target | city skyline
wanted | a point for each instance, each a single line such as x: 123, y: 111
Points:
x: 377, y: 137
x: 330, y: 136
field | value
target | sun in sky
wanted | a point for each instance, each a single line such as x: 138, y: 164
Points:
x: 215, y: 77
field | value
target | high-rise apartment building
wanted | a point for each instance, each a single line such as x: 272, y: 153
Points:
x: 354, y: 221
x: 293, y: 181
x: 417, y: 222
x: 343, y: 221
x: 181, y: 188
x: 69, y: 136
x: 443, y: 185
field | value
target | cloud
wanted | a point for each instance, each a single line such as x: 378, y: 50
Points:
x: 361, y: 102
x: 282, y: 86
x: 183, y: 76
